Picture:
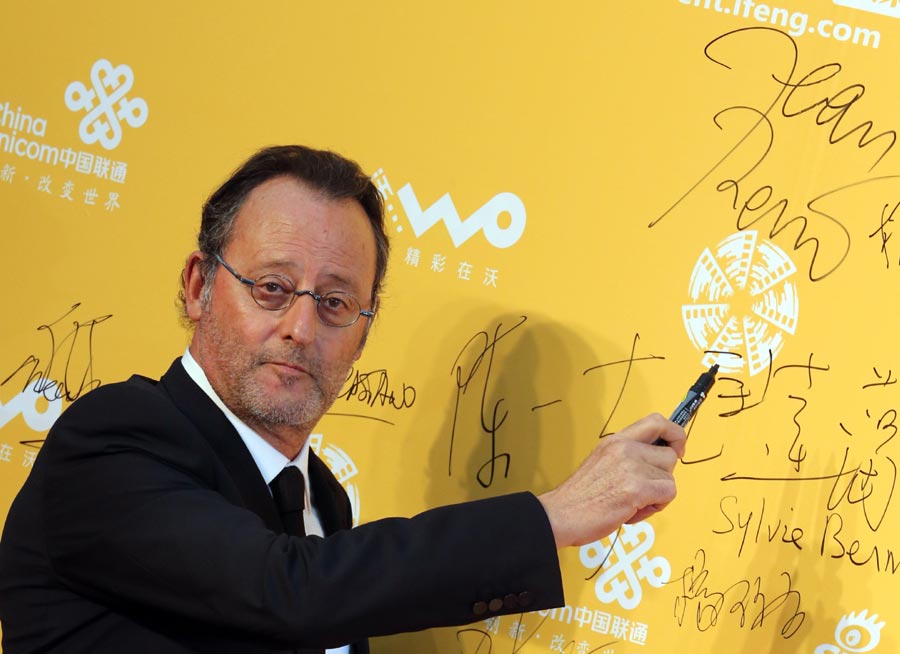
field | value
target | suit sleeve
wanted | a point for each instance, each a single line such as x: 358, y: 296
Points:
x: 144, y: 519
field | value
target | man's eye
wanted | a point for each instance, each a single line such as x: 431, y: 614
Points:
x: 273, y: 288
x: 334, y: 303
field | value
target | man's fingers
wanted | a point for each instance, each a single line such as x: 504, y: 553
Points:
x: 624, y: 479
x: 654, y: 427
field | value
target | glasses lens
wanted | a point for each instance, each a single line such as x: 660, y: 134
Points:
x: 338, y: 309
x: 272, y: 292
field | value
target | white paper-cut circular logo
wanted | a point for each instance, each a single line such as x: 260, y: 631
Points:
x: 856, y: 632
x: 341, y: 466
x: 742, y: 303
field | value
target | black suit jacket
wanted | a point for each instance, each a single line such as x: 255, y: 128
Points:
x: 145, y: 526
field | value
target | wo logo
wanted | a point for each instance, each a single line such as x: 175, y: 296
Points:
x: 27, y: 404
x: 487, y: 218
x: 106, y: 104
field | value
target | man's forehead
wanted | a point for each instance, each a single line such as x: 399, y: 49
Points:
x: 283, y: 220
x: 288, y: 198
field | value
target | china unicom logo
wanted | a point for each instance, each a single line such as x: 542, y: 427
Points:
x: 106, y: 104
x: 743, y: 303
x: 623, y: 564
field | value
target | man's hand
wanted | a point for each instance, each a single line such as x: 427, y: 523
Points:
x: 624, y: 479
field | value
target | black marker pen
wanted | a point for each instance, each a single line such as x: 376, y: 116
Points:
x: 692, y: 401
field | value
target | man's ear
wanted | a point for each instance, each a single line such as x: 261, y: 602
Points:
x: 193, y: 285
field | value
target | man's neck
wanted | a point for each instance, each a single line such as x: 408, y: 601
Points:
x: 288, y: 440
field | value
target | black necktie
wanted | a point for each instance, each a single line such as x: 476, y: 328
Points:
x: 287, y: 491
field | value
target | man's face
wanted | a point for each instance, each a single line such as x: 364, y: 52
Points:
x: 285, y: 368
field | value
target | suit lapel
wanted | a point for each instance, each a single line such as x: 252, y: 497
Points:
x: 331, y: 500
x: 335, y: 512
x: 224, y: 440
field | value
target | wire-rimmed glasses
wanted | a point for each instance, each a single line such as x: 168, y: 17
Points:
x: 274, y: 292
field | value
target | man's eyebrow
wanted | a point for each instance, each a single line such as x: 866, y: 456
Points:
x: 339, y: 282
x: 335, y: 280
x: 275, y: 263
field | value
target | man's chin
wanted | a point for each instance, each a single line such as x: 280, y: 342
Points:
x: 297, y: 415
x: 291, y: 404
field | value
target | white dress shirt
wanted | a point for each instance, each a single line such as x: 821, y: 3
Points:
x: 269, y: 460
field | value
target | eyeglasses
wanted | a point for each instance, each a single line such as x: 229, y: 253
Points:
x: 274, y: 292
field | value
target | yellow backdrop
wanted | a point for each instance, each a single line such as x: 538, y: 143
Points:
x: 590, y: 203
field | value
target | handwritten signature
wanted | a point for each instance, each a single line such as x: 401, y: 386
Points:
x: 374, y: 388
x: 66, y: 349
x: 483, y: 346
x: 744, y: 599
x: 754, y: 524
x: 46, y: 384
x: 824, y: 236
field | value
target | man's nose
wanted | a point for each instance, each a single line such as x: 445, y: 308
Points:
x: 301, y: 320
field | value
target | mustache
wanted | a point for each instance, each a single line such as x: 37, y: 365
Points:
x: 293, y: 357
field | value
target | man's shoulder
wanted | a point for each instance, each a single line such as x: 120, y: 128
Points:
x: 139, y: 414
x: 136, y: 390
x: 137, y: 397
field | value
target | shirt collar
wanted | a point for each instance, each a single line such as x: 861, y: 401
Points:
x: 269, y: 460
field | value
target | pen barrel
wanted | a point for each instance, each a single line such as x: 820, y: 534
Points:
x: 692, y: 401
x: 686, y: 409
x: 704, y: 383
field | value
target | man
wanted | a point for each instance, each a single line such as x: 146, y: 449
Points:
x: 160, y: 517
